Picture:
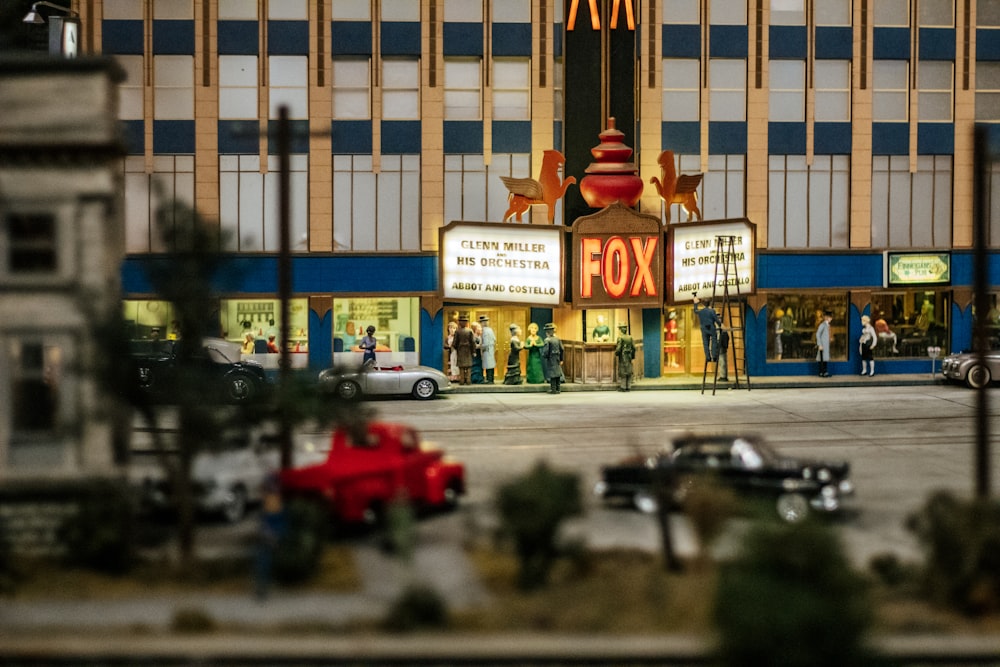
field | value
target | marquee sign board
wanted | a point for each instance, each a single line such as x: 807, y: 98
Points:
x: 487, y: 262
x: 692, y: 259
x: 617, y: 259
x: 924, y: 268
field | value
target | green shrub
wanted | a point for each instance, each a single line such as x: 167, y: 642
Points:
x: 298, y: 549
x: 100, y: 536
x: 418, y: 607
x: 961, y: 544
x: 531, y: 509
x: 791, y: 598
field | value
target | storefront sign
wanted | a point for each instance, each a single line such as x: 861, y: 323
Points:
x: 918, y: 268
x: 617, y: 259
x: 692, y: 259
x: 501, y: 263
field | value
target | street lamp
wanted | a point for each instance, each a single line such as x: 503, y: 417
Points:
x: 64, y: 31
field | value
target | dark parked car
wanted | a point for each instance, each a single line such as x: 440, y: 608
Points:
x: 745, y: 464
x: 965, y: 367
x: 236, y: 381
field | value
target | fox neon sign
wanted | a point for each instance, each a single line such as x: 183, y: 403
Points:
x: 595, y: 16
x: 623, y: 266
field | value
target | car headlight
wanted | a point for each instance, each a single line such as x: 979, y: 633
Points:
x: 600, y: 488
x: 846, y: 486
x: 828, y: 491
x: 823, y: 475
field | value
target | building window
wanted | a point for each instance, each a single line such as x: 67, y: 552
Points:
x: 681, y: 11
x: 150, y: 197
x: 474, y: 191
x: 38, y: 386
x: 32, y: 244
x: 890, y: 91
x: 512, y: 11
x: 987, y: 91
x: 833, y: 13
x: 463, y: 91
x: 376, y: 211
x: 511, y: 89
x: 681, y: 89
x: 400, y: 89
x: 892, y: 13
x: 238, y: 10
x: 289, y: 77
x: 173, y: 10
x: 558, y: 90
x: 723, y: 187
x: 911, y: 321
x: 399, y: 10
x: 788, y: 12
x: 987, y: 14
x: 808, y: 204
x: 993, y: 203
x: 800, y: 315
x: 290, y: 10
x: 728, y: 12
x: 351, y: 89
x: 237, y: 87
x: 728, y: 89
x: 911, y: 210
x: 173, y: 91
x: 463, y: 11
x: 249, y: 221
x: 936, y: 13
x: 130, y: 91
x: 832, y: 91
x: 123, y: 10
x: 397, y: 329
x: 787, y: 96
x: 934, y: 90
x: 256, y: 323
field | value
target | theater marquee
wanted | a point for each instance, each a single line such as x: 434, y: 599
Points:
x: 501, y: 263
x: 692, y: 259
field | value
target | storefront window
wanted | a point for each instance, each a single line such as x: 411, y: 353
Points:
x: 676, y: 325
x: 148, y: 322
x: 910, y: 321
x: 255, y: 324
x: 397, y: 329
x: 798, y: 316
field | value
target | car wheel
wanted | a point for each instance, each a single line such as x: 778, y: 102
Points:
x: 240, y: 388
x: 348, y: 390
x: 645, y: 502
x: 236, y: 505
x: 451, y: 495
x: 792, y: 507
x: 424, y: 389
x: 978, y: 376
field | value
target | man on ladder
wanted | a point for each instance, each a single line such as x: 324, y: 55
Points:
x: 710, y: 322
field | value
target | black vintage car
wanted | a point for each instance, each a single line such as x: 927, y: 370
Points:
x: 233, y: 380
x: 745, y: 464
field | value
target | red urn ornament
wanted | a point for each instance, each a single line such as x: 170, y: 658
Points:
x: 611, y: 178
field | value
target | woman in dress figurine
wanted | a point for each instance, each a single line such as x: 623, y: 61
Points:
x: 451, y: 352
x: 533, y: 344
x: 477, y: 354
x: 513, y: 375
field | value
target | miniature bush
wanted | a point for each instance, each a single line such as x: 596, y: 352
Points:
x: 418, y: 607
x: 531, y: 510
x: 191, y: 620
x: 791, y: 598
x: 100, y: 535
x: 961, y: 545
x: 298, y: 549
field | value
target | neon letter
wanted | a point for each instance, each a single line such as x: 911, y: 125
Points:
x: 616, y: 267
x: 643, y: 258
x: 590, y: 265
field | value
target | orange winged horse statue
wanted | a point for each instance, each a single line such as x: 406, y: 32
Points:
x: 548, y: 189
x: 681, y: 190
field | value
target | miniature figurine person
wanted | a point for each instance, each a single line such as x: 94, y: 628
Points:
x: 464, y: 343
x: 368, y: 344
x: 488, y: 348
x: 513, y: 374
x: 533, y: 343
x: 624, y: 353
x: 552, y: 358
x: 823, y: 343
x: 602, y: 332
x: 710, y: 323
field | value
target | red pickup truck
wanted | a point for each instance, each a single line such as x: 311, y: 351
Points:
x: 358, y: 480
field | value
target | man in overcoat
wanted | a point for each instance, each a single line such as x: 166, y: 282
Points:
x: 464, y: 344
x: 552, y: 358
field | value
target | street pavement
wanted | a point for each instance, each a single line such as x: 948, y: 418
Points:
x: 142, y: 626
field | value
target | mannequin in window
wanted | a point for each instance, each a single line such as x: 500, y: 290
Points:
x: 602, y: 332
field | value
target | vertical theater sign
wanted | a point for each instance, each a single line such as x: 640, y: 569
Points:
x: 617, y: 259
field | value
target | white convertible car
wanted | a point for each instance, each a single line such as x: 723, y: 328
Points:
x: 370, y: 379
